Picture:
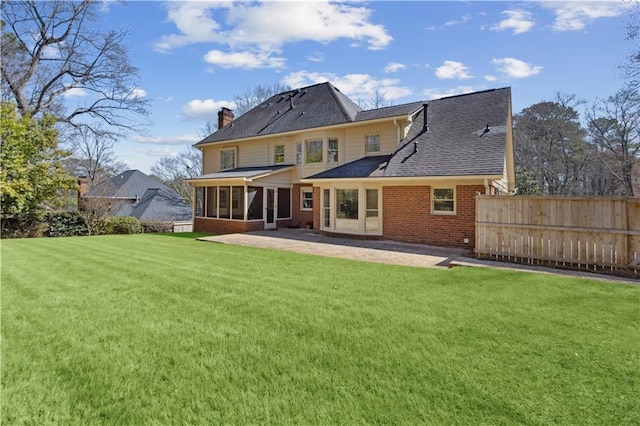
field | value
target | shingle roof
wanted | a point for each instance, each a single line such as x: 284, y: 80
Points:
x: 456, y: 144
x: 305, y: 108
x: 364, y: 167
x: 148, y: 199
x: 243, y: 172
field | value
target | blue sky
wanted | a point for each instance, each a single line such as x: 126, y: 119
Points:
x: 193, y: 57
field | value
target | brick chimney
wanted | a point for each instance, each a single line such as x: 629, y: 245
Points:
x: 225, y: 116
x: 83, y: 184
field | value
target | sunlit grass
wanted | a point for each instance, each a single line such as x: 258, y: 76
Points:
x: 153, y: 329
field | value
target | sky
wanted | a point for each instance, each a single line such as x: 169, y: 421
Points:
x: 194, y: 57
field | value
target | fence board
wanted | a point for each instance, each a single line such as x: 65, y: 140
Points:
x: 591, y: 233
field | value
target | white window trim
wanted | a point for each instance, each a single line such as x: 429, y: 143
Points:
x: 322, y: 150
x: 438, y: 212
x: 361, y: 208
x: 337, y: 149
x: 284, y: 155
x: 302, y: 191
x: 235, y: 157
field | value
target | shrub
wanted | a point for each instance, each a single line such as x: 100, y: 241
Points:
x: 157, y: 227
x: 123, y: 225
x: 65, y: 224
x: 24, y: 225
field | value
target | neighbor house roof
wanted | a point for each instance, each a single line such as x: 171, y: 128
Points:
x: 142, y: 197
x: 464, y: 135
x: 309, y: 107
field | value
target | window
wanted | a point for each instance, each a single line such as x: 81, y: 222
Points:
x: 254, y: 195
x: 314, y: 151
x: 199, y: 204
x: 224, y: 201
x: 443, y: 200
x: 326, y: 208
x: 371, y: 144
x: 332, y: 151
x: 278, y: 154
x: 212, y: 201
x: 371, y: 211
x: 298, y: 152
x: 228, y: 159
x: 347, y: 203
x: 306, y: 202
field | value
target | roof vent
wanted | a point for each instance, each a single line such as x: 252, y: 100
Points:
x: 486, y: 130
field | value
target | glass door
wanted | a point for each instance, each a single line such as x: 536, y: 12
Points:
x: 270, y: 208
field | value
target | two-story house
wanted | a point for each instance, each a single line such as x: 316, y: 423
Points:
x: 312, y: 157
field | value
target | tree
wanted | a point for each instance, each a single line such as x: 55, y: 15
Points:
x: 550, y: 148
x: 51, y: 49
x: 93, y: 156
x: 631, y: 69
x: 614, y: 129
x: 31, y: 170
x: 172, y: 171
x: 254, y: 97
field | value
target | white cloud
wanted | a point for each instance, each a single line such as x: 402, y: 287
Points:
x: 518, y: 20
x: 490, y: 78
x: 205, y: 110
x: 75, y: 92
x: 158, y: 152
x: 246, y: 60
x: 358, y: 87
x: 574, y: 16
x: 167, y: 140
x: 264, y: 27
x: 437, y: 94
x: 316, y: 57
x: 453, y: 69
x: 515, y: 67
x: 464, y: 19
x: 394, y: 67
x: 137, y: 92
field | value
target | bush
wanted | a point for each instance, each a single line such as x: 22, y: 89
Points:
x: 65, y: 224
x: 123, y: 225
x: 157, y: 227
x: 25, y: 225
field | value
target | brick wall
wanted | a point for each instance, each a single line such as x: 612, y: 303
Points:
x: 217, y: 226
x: 408, y: 218
x: 298, y: 217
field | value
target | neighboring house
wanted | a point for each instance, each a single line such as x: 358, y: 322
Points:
x: 312, y: 157
x: 132, y: 193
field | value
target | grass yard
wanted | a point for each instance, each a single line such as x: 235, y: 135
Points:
x: 158, y: 329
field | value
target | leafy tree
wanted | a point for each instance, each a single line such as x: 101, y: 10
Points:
x: 52, y: 49
x: 31, y: 170
x: 172, y: 171
x: 550, y: 148
x: 614, y: 129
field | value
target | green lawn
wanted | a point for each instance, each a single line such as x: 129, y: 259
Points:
x: 156, y: 329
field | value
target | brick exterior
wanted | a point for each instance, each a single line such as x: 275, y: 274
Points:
x: 298, y: 217
x: 408, y: 218
x: 220, y: 226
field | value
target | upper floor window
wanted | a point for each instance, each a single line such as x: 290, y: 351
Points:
x: 228, y: 159
x: 332, y: 151
x: 298, y: 152
x: 278, y: 154
x: 314, y: 151
x: 371, y: 144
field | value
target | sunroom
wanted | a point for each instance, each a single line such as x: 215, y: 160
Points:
x: 243, y: 199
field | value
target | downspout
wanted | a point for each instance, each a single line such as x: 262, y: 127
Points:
x: 487, y: 190
x: 398, y: 138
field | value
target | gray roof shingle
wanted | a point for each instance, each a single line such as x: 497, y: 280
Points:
x: 364, y: 167
x: 243, y: 172
x: 456, y: 144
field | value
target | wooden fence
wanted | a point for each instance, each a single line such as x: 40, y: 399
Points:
x: 587, y: 233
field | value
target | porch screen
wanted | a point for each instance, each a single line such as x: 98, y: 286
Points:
x: 255, y: 203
